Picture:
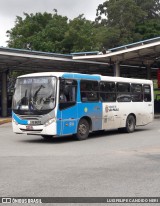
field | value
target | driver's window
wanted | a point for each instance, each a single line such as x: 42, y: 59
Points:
x: 67, y: 93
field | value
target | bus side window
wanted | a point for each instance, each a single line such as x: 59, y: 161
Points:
x: 123, y: 92
x: 147, y: 93
x: 107, y: 92
x: 136, y: 92
x: 89, y: 91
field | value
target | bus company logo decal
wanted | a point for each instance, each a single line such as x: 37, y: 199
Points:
x: 113, y: 108
x: 85, y: 109
x: 106, y: 108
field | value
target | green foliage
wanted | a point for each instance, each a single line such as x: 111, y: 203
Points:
x: 149, y: 29
x: 151, y: 7
x: 128, y: 20
x: 44, y: 32
x: 80, y: 36
x: 53, y: 33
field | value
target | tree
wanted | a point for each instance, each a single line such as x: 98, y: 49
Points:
x: 128, y: 20
x: 151, y: 7
x: 80, y: 36
x: 42, y: 32
x: 122, y: 13
x: 121, y: 17
x: 53, y: 33
x: 150, y: 27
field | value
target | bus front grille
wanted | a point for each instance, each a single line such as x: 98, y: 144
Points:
x: 27, y: 117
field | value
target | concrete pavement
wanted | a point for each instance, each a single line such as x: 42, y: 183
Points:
x: 112, y: 164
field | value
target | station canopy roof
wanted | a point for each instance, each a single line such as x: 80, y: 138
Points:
x: 33, y: 61
x: 145, y: 52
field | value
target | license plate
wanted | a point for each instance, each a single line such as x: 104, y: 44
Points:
x: 29, y: 127
x: 35, y: 122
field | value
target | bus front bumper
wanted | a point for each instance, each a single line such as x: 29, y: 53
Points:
x: 35, y: 129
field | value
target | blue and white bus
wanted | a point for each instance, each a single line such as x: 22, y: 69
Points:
x: 56, y: 104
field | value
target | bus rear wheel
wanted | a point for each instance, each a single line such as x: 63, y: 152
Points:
x: 82, y: 130
x: 47, y: 137
x: 130, y: 124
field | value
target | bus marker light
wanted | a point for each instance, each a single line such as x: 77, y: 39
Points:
x: 50, y: 121
x: 85, y: 109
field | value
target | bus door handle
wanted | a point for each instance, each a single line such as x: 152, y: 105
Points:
x: 150, y: 105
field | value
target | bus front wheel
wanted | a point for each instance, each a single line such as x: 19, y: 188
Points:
x: 130, y: 124
x: 83, y: 130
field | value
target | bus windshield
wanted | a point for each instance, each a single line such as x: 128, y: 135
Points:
x: 34, y: 95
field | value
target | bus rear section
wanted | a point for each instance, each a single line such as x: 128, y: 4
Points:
x: 127, y: 103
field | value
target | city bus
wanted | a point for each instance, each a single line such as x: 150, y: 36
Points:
x: 57, y: 104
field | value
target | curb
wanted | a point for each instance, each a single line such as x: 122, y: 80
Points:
x: 3, y: 121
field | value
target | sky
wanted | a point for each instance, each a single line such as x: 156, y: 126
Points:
x: 9, y: 9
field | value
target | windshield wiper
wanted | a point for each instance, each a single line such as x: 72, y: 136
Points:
x: 36, y: 93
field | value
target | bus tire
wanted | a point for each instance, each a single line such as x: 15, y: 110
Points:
x: 130, y: 124
x: 47, y: 137
x: 82, y: 130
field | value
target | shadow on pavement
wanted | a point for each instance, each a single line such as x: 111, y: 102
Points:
x: 71, y: 138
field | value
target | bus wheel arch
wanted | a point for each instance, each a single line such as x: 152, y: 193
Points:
x: 130, y: 123
x: 89, y: 121
x: 83, y: 128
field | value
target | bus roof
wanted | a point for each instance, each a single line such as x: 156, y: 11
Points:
x: 64, y: 75
x: 85, y: 76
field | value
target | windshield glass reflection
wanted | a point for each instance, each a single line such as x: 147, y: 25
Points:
x: 34, y: 94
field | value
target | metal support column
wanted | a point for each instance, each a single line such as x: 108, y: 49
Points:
x: 4, y: 94
x: 117, y: 69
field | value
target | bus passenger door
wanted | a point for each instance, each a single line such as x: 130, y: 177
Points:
x: 67, y: 113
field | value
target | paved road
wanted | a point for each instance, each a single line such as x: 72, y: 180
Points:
x: 112, y: 164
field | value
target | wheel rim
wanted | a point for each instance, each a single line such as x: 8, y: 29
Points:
x: 130, y: 124
x: 82, y: 129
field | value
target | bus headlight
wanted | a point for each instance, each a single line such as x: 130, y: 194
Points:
x: 50, y: 121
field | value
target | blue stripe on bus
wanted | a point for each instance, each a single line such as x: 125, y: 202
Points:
x: 93, y: 111
x: 18, y: 120
x: 81, y: 76
x: 68, y: 119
